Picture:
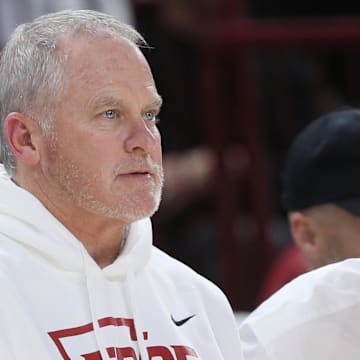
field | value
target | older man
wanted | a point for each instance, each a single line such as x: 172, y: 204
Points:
x: 79, y: 276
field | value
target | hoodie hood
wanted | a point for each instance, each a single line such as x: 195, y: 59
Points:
x: 25, y: 219
x: 58, y: 303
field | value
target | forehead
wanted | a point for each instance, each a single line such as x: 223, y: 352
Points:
x: 94, y: 63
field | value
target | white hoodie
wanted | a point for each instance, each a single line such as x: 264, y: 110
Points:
x: 56, y: 303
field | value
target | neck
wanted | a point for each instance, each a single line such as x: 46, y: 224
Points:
x: 102, y: 237
x: 104, y: 243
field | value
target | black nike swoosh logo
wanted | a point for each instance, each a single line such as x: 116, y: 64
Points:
x: 181, y: 322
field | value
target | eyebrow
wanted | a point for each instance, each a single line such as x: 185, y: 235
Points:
x: 106, y: 101
x: 110, y: 101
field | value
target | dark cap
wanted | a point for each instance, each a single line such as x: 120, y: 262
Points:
x: 323, y: 163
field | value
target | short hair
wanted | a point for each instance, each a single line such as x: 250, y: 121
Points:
x: 32, y: 67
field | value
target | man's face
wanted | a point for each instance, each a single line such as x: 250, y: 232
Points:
x: 105, y: 157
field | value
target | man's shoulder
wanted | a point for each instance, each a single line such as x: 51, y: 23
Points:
x: 342, y: 278
x: 314, y: 298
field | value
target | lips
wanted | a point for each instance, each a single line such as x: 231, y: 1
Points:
x: 143, y: 172
x: 140, y: 168
x: 138, y: 172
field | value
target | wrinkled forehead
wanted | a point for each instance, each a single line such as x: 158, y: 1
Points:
x: 85, y: 55
x: 104, y: 67
x: 79, y: 44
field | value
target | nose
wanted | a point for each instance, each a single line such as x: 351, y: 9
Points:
x: 141, y: 137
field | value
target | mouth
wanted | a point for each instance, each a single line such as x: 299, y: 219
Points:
x: 137, y: 174
x: 140, y: 171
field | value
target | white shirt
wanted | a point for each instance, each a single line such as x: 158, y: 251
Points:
x: 315, y: 317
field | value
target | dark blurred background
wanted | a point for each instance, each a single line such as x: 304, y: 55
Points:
x: 239, y: 80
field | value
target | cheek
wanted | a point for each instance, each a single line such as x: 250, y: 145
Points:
x: 158, y: 156
x: 86, y: 146
x: 72, y: 154
x: 158, y: 150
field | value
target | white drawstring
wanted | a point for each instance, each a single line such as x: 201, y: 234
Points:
x: 103, y: 352
x: 130, y: 283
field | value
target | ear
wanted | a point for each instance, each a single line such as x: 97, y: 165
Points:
x: 305, y: 233
x: 19, y: 131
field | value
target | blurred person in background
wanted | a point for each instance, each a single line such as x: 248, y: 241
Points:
x: 320, y: 189
x: 323, y: 225
x: 315, y: 316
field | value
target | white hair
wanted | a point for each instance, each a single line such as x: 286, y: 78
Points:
x: 32, y: 71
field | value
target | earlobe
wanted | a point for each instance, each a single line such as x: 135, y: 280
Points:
x: 18, y: 132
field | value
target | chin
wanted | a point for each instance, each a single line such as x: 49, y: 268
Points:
x: 135, y: 208
x: 146, y: 208
x: 136, y: 214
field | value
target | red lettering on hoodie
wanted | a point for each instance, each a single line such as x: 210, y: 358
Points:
x: 173, y: 352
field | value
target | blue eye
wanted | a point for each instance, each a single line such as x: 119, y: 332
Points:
x: 150, y: 116
x: 110, y: 114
